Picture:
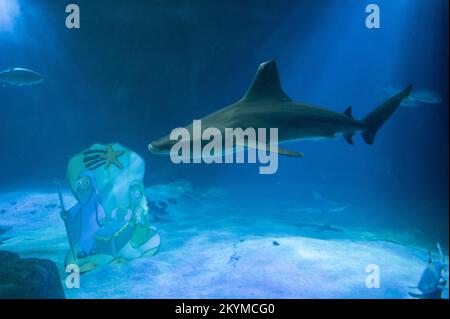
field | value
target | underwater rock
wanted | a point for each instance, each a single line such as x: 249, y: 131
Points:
x: 28, y: 278
x: 275, y: 243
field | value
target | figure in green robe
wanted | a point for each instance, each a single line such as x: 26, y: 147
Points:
x: 136, y: 214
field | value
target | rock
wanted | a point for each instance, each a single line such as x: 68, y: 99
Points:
x: 28, y: 278
x: 275, y: 243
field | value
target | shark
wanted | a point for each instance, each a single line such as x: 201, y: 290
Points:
x: 325, y: 205
x: 266, y: 105
x: 320, y: 206
x: 321, y: 228
x: 20, y: 77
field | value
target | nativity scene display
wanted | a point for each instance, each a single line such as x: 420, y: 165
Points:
x: 110, y: 220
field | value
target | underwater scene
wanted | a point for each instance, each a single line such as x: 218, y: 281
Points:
x: 224, y: 149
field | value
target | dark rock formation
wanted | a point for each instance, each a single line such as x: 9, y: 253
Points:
x: 28, y: 278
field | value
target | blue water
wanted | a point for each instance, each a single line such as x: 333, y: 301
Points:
x: 137, y: 69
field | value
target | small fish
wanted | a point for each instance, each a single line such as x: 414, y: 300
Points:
x: 425, y: 96
x: 20, y: 77
x: 416, y: 98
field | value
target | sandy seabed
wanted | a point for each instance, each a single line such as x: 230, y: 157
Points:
x: 220, y: 255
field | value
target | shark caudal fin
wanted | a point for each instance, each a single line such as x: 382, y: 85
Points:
x: 375, y: 119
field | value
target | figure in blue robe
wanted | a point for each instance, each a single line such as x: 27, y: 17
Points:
x: 86, y: 217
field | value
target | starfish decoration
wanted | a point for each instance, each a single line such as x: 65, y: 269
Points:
x: 112, y: 157
x: 93, y: 159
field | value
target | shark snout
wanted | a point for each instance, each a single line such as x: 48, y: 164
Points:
x: 152, y: 149
x: 155, y: 149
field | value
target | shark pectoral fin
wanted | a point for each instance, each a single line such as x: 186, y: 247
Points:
x: 279, y: 150
x: 286, y: 152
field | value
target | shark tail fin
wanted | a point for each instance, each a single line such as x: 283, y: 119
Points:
x: 375, y: 119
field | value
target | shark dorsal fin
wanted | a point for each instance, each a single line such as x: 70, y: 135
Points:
x: 266, y: 85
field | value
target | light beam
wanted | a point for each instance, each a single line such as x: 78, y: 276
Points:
x: 9, y: 11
